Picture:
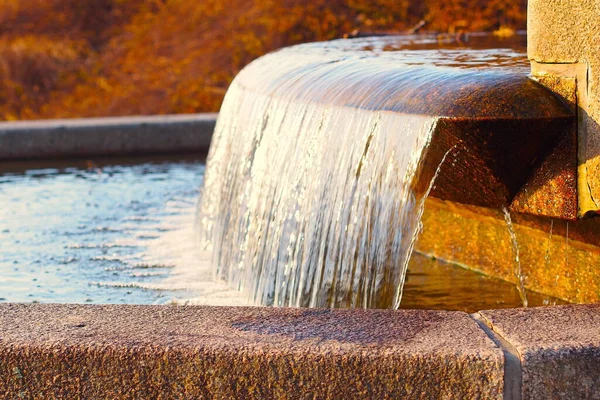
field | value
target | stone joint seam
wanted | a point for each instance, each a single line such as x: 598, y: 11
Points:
x: 513, y: 376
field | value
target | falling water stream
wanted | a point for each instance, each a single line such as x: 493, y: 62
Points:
x: 320, y: 206
x: 515, y: 245
x: 313, y: 187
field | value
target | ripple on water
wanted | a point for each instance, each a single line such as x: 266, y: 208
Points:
x: 113, y: 233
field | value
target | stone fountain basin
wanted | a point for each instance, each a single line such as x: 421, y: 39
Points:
x: 110, y: 351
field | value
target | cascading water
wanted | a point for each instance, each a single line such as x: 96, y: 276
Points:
x: 313, y: 187
x: 318, y: 216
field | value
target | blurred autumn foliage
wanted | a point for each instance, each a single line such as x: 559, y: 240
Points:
x: 84, y: 58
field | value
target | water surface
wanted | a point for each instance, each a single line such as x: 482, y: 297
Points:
x: 122, y: 231
x: 98, y: 231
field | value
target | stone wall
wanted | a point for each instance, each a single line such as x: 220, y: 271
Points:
x: 564, y: 42
x: 115, y: 136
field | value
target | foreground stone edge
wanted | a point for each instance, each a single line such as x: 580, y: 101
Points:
x: 559, y: 348
x: 121, y: 351
x: 108, y: 351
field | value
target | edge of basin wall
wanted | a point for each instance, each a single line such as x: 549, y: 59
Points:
x: 124, y: 351
x: 114, y: 136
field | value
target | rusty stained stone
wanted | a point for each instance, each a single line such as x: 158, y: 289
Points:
x: 559, y: 348
x: 564, y: 87
x: 80, y: 351
x: 570, y: 82
x: 558, y: 257
x: 519, y: 147
x: 490, y: 161
x: 551, y: 190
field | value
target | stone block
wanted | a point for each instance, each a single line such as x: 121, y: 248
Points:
x: 118, y: 351
x: 564, y: 41
x: 559, y: 348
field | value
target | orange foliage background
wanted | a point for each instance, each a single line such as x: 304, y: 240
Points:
x: 84, y: 58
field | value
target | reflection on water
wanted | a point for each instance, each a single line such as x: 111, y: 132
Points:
x: 433, y: 284
x: 478, y: 51
x: 122, y: 231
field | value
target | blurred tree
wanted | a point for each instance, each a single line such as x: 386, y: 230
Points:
x: 76, y: 58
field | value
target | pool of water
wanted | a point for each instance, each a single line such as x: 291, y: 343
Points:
x: 102, y: 231
x: 122, y: 231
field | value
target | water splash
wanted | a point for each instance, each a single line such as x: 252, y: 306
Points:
x: 515, y: 245
x: 567, y: 248
x: 547, y: 257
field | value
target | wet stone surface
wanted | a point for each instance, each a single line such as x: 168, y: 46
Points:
x: 557, y: 257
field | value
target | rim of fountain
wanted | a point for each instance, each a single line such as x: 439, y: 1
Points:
x: 252, y: 352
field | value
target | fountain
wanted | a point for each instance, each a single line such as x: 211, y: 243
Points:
x: 496, y: 167
x: 324, y: 156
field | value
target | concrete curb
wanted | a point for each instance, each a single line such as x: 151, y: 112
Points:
x: 106, y: 136
x: 559, y: 349
x: 120, y: 351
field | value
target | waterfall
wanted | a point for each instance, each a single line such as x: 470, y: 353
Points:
x: 313, y: 188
